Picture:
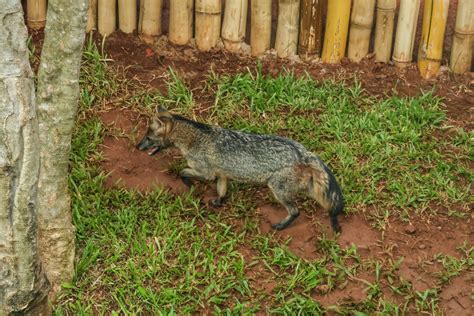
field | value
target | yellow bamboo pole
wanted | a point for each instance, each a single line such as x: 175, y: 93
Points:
x: 91, y: 16
x: 260, y: 26
x: 149, y: 22
x: 311, y: 27
x: 181, y: 21
x: 405, y: 36
x: 384, y: 29
x: 337, y: 24
x: 432, y: 37
x: 106, y: 18
x: 463, y: 39
x: 234, y: 24
x: 36, y: 13
x: 127, y: 15
x: 287, y: 28
x: 435, y: 17
x: 208, y: 23
x: 362, y: 18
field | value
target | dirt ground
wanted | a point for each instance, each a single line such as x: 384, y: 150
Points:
x: 417, y: 241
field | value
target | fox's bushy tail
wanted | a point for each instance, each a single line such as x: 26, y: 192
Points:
x: 324, y: 188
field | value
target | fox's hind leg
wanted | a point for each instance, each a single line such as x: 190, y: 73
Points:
x: 285, y: 192
x: 221, y: 191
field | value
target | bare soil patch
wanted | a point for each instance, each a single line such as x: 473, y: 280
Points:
x: 456, y: 297
x: 127, y: 166
x: 353, y: 291
x: 302, y: 232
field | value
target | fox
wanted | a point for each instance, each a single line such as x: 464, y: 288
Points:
x: 218, y: 154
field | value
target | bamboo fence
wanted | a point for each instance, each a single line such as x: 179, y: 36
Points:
x: 328, y: 29
x: 149, y: 20
x: 36, y: 13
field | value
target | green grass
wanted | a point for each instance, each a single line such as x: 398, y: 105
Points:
x: 161, y: 254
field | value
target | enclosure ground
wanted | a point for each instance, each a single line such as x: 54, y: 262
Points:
x: 409, y: 257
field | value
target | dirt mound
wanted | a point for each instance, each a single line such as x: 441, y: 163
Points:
x: 128, y: 167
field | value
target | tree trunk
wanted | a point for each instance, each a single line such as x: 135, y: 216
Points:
x: 23, y: 285
x: 58, y: 92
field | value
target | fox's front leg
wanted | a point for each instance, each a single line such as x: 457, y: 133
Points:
x: 188, y: 173
x: 285, y: 190
x: 221, y: 191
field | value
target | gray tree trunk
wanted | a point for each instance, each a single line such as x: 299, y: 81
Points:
x: 57, y: 98
x: 23, y: 285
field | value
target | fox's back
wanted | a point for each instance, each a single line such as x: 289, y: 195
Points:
x: 253, y: 157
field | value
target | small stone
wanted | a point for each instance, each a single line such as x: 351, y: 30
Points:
x: 410, y: 229
x: 322, y: 289
x: 421, y: 246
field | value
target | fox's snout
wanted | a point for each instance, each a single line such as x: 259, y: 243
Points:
x: 147, y: 144
x: 144, y: 144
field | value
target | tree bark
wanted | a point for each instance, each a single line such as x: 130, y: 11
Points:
x: 23, y: 285
x: 57, y: 98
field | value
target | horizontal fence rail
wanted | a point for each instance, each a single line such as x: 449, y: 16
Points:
x: 312, y: 29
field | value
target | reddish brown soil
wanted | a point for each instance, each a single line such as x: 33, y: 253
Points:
x: 456, y: 297
x: 353, y: 291
x: 302, y: 232
x: 194, y: 66
x: 127, y: 166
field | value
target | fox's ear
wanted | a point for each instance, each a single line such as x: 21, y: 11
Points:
x: 168, y: 121
x: 160, y: 109
x: 161, y: 112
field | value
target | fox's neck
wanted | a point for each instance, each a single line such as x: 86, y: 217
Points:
x: 186, y: 133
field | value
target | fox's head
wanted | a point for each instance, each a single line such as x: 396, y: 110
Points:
x: 156, y: 137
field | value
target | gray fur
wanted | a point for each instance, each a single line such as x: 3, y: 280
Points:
x: 215, y: 153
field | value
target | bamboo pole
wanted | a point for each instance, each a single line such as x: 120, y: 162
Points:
x: 36, y: 13
x: 149, y: 22
x: 405, y: 36
x: 208, y: 23
x: 463, y: 39
x: 127, y: 15
x: 362, y: 18
x: 106, y: 18
x: 311, y: 27
x: 430, y: 52
x: 287, y: 28
x: 384, y: 29
x: 337, y: 24
x: 260, y: 26
x: 234, y: 24
x: 91, y: 16
x: 181, y: 21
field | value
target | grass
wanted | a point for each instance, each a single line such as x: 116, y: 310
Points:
x: 159, y: 254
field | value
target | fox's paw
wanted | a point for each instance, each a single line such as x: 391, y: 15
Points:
x: 280, y: 226
x: 286, y: 222
x: 187, y: 181
x: 217, y: 202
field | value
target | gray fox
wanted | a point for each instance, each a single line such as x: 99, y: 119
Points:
x: 215, y: 153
